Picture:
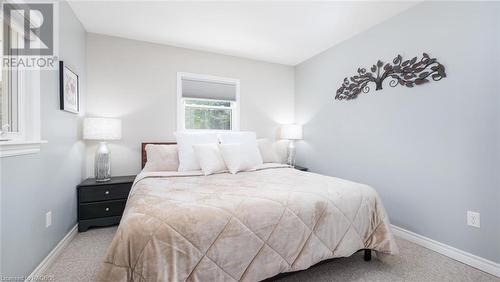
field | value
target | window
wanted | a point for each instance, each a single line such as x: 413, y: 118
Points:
x: 208, y: 114
x: 10, y: 92
x: 207, y: 102
x: 19, y: 98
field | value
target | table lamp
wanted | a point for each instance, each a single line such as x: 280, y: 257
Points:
x: 102, y: 129
x: 291, y: 132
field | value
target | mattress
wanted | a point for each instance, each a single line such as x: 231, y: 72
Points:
x: 248, y: 226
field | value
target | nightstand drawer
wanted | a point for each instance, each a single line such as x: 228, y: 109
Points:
x: 105, y: 192
x: 102, y: 209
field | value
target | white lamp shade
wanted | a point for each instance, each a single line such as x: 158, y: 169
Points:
x: 291, y: 131
x: 102, y: 129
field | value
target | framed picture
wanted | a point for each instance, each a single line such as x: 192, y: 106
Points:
x: 69, y: 89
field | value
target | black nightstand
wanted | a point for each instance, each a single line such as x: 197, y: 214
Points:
x: 102, y: 203
x: 301, y: 168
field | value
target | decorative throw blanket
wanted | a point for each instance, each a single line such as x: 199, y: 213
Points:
x: 249, y: 226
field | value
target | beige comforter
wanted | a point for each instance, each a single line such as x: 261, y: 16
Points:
x: 249, y: 226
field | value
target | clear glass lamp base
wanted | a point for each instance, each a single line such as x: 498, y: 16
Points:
x: 102, y: 163
x: 290, y: 157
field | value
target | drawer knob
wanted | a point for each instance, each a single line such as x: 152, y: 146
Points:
x: 107, y: 209
x: 107, y: 192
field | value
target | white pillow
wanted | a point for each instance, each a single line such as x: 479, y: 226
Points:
x: 185, y: 142
x: 248, y: 140
x: 268, y: 151
x: 161, y: 158
x: 234, y: 157
x: 210, y: 158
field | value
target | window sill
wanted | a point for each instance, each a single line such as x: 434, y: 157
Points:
x: 15, y: 148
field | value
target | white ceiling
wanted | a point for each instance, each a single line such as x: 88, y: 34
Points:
x: 280, y: 32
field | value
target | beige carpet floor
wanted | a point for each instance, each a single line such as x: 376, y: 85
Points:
x: 80, y: 262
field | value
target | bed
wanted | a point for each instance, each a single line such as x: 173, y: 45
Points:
x: 249, y: 226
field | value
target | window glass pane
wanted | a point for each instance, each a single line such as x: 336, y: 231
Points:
x: 1, y: 98
x: 2, y: 88
x: 9, y: 86
x: 208, y: 103
x: 206, y: 118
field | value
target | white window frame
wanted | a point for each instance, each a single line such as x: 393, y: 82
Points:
x: 26, y: 140
x: 181, y: 102
x: 6, y: 103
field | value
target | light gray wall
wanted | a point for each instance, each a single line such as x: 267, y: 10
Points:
x: 34, y: 184
x: 432, y: 152
x: 136, y: 81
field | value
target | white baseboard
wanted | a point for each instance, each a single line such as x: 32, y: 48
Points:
x: 52, y: 256
x: 449, y: 251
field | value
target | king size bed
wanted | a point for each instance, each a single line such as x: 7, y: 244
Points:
x: 249, y: 226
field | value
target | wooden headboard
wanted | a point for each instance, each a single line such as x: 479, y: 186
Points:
x: 144, y: 157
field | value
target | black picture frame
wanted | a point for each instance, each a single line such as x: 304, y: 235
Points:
x: 69, y: 91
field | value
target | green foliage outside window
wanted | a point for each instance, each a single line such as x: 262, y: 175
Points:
x: 199, y: 114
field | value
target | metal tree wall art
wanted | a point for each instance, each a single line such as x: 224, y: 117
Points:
x: 405, y: 73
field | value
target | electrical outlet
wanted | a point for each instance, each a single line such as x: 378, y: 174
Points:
x: 48, y: 219
x: 474, y: 219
